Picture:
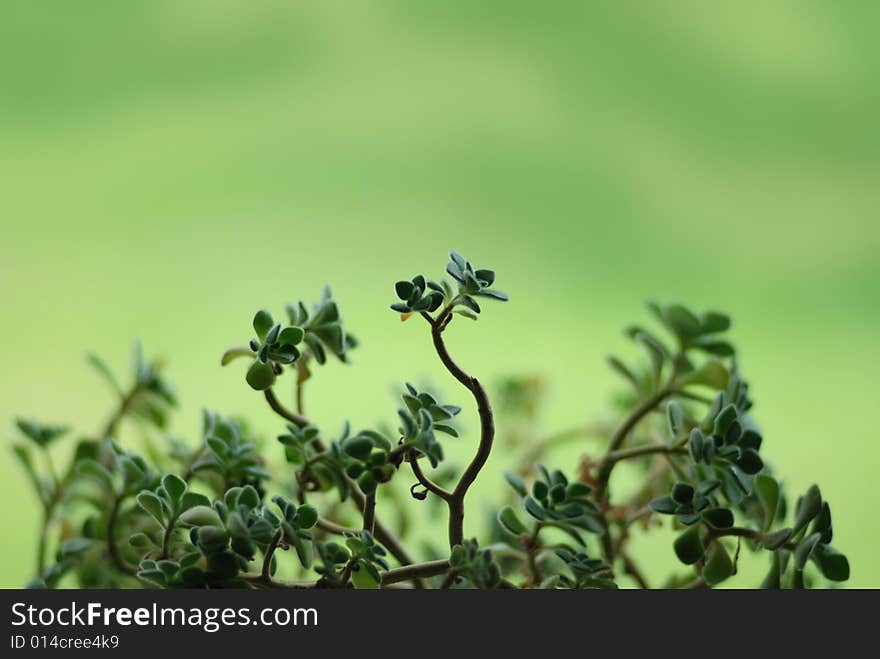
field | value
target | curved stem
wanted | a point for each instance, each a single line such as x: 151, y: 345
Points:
x: 266, y: 572
x: 640, y: 451
x: 112, y: 549
x: 279, y: 409
x: 426, y: 482
x: 487, y: 427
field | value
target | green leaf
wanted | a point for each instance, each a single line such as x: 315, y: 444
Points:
x: 306, y: 517
x: 534, y: 508
x: 711, y: 374
x: 664, y: 505
x: 682, y: 493
x: 681, y: 321
x: 199, y: 516
x: 152, y: 505
x: 719, y: 566
x: 260, y: 376
x: 509, y: 520
x: 24, y: 457
x: 291, y: 336
x: 688, y: 545
x: 804, y: 549
x: 750, y: 462
x: 404, y: 289
x: 139, y: 540
x: 713, y: 322
x: 623, y: 370
x: 516, y: 483
x: 175, y: 487
x: 808, y: 507
x: 104, y: 371
x: 263, y: 322
x: 674, y: 418
x: 719, y: 518
x: 832, y: 563
x: 767, y: 490
x: 776, y: 539
x: 363, y: 578
x: 97, y: 471
x: 724, y: 420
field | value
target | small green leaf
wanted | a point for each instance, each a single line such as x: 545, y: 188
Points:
x: 306, y: 517
x: 260, y: 376
x: 808, y: 507
x: 664, y: 505
x: 516, y: 483
x: 152, y: 505
x: 139, y: 540
x: 674, y: 418
x: 719, y: 518
x: 175, y: 487
x: 776, y: 539
x: 688, y: 545
x: 804, y: 549
x: 711, y: 374
x: 509, y: 520
x: 833, y: 565
x: 291, y: 336
x: 199, y: 516
x: 534, y: 508
x: 767, y: 490
x: 263, y: 322
x: 718, y: 564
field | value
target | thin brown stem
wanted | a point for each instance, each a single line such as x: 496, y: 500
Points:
x: 487, y: 427
x: 643, y: 450
x: 426, y: 482
x: 370, y: 512
x: 415, y: 571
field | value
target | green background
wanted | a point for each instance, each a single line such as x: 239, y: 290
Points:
x: 169, y: 167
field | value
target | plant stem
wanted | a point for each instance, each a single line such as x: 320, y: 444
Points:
x: 166, y: 539
x: 640, y: 451
x: 266, y: 572
x: 120, y: 564
x: 370, y: 512
x: 455, y: 501
x: 426, y: 482
x: 415, y: 571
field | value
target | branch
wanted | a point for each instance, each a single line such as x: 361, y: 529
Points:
x: 120, y: 564
x: 415, y: 571
x: 640, y: 451
x: 296, y: 419
x: 487, y: 427
x: 426, y: 482
x: 370, y: 512
x: 620, y: 435
x: 266, y: 572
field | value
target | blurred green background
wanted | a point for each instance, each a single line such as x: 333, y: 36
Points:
x: 169, y: 167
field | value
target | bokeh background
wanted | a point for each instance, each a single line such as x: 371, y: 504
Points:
x: 168, y: 167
